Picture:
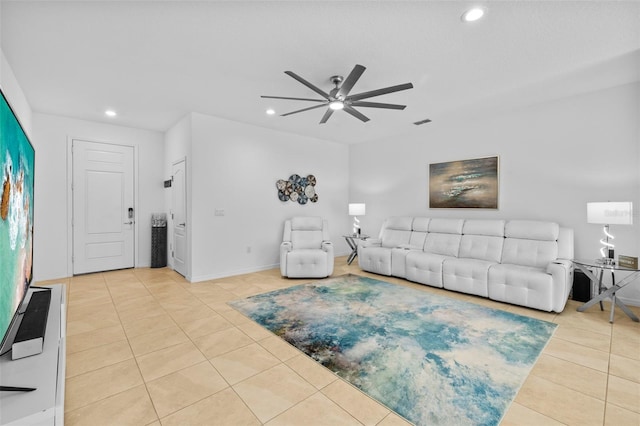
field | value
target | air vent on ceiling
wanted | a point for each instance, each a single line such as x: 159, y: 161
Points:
x: 425, y: 121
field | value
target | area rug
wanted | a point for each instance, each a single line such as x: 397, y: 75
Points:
x: 433, y: 360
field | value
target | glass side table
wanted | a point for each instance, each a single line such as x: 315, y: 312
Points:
x: 352, y: 240
x: 594, y: 269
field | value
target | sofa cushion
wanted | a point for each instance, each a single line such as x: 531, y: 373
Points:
x: 529, y: 252
x: 446, y: 226
x: 375, y: 259
x: 481, y: 247
x: 424, y: 268
x: 303, y: 223
x: 492, y: 228
x: 443, y: 244
x: 396, y: 231
x: 532, y: 230
x: 420, y: 227
x: 307, y: 263
x: 420, y: 224
x: 306, y: 232
x: 466, y: 275
x: 521, y: 285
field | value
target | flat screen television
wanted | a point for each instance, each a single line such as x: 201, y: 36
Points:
x: 17, y: 158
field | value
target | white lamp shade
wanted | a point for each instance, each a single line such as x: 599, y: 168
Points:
x: 618, y: 213
x: 357, y: 209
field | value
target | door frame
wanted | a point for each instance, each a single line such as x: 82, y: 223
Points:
x: 187, y: 218
x: 69, y: 183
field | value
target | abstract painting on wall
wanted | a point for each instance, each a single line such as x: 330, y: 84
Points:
x: 298, y: 189
x: 464, y: 184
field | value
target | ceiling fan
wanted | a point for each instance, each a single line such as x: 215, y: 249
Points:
x: 339, y: 99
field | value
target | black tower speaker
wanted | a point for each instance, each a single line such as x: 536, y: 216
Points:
x: 581, y: 286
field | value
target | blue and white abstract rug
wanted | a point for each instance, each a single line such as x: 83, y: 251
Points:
x: 432, y: 359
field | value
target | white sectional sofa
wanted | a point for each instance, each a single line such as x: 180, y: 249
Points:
x: 521, y: 262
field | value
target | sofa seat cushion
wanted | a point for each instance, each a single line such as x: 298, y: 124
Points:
x: 375, y: 259
x: 467, y: 275
x: 521, y: 285
x: 425, y: 268
x: 307, y: 263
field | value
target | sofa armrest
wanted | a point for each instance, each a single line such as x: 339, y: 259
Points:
x: 561, y: 271
x: 327, y: 246
x: 409, y: 247
x: 285, y: 248
x: 369, y: 242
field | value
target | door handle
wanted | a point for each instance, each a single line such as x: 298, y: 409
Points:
x: 182, y: 224
x: 129, y: 223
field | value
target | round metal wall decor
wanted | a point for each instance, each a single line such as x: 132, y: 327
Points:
x: 298, y: 189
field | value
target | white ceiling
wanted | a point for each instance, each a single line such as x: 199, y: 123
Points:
x: 155, y: 61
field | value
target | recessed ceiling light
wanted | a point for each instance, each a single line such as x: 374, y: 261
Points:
x: 110, y: 113
x: 270, y: 111
x: 472, y: 15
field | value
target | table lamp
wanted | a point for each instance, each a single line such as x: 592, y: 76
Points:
x: 355, y: 210
x: 608, y: 213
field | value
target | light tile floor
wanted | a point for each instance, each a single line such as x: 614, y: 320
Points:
x: 144, y: 346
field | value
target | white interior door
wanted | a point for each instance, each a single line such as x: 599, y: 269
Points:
x: 179, y: 217
x: 103, y: 209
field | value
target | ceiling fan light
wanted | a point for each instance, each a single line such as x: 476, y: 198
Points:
x: 472, y: 15
x: 336, y: 105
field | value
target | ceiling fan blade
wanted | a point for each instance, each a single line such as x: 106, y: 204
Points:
x: 356, y: 114
x: 309, y: 85
x: 293, y: 99
x: 379, y: 92
x: 304, y: 109
x: 350, y: 81
x: 326, y: 116
x: 377, y: 105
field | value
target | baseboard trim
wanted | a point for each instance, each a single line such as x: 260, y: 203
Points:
x: 628, y: 301
x: 232, y: 273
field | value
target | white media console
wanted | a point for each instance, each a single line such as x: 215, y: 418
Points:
x: 45, y: 372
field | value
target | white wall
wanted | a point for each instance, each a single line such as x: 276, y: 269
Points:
x: 13, y: 92
x: 234, y: 167
x: 51, y: 135
x: 554, y: 158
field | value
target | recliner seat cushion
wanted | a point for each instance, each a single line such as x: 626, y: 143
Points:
x: 425, y: 268
x: 376, y: 260
x: 467, y: 275
x: 521, y: 285
x: 307, y: 263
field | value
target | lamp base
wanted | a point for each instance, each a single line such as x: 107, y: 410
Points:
x: 609, y: 261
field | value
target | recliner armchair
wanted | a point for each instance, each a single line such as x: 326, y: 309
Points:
x: 306, y: 250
